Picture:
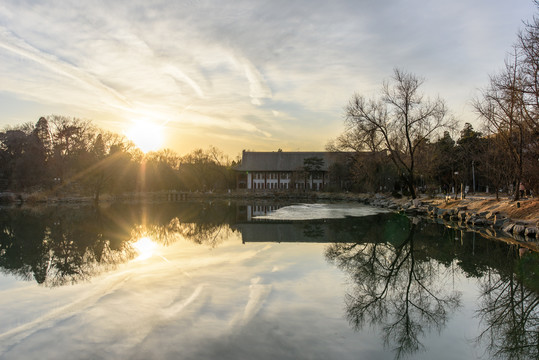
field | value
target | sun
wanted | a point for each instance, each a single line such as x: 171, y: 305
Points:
x: 146, y: 135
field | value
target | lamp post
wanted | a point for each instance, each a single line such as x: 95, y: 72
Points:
x: 473, y: 176
x: 456, y: 173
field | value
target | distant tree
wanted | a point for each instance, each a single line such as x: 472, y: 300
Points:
x: 469, y: 147
x: 339, y: 176
x: 31, y: 169
x: 72, y: 138
x: 12, y: 143
x: 444, y: 161
x: 43, y: 133
x: 206, y: 170
x: 400, y: 120
x: 312, y: 167
x: 165, y: 156
x: 497, y: 167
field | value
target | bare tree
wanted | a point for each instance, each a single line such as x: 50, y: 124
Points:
x: 501, y: 107
x: 399, y: 121
x: 528, y: 46
x: 510, y: 106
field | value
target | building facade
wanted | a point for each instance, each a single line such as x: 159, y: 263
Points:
x: 272, y: 171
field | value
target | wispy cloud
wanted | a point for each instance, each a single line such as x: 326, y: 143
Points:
x: 238, y: 63
x: 258, y: 89
x: 18, y: 46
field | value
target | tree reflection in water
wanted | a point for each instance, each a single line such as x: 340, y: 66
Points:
x: 401, y: 269
x: 509, y: 309
x: 58, y: 246
x: 396, y: 286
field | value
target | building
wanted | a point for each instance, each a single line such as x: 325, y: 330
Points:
x: 263, y: 171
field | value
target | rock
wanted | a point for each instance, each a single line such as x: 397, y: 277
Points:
x: 508, y: 228
x: 410, y: 211
x: 483, y: 214
x: 520, y: 238
x: 499, y: 224
x: 471, y: 219
x: 480, y: 221
x: 490, y: 232
x: 444, y: 213
x: 499, y: 218
x: 531, y: 231
x: 519, y: 229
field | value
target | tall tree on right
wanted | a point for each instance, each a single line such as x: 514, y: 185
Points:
x: 501, y: 108
x: 509, y: 106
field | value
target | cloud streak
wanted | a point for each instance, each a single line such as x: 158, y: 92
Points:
x: 239, y: 63
x: 19, y: 47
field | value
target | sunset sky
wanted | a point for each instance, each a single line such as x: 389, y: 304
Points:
x: 258, y: 75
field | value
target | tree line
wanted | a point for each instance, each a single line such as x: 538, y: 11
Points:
x: 415, y: 131
x: 60, y: 155
x: 403, y: 141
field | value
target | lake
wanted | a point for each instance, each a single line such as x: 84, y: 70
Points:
x: 226, y: 280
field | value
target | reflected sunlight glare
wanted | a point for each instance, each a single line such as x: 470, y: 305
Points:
x: 145, y: 247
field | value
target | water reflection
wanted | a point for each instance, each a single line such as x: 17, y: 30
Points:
x: 395, y: 285
x: 145, y: 248
x: 509, y: 309
x: 58, y: 245
x: 401, y: 271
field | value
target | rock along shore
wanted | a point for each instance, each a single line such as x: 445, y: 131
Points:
x: 473, y: 215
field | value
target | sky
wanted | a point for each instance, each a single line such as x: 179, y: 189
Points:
x: 243, y: 74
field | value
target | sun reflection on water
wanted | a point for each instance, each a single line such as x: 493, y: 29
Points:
x: 145, y: 247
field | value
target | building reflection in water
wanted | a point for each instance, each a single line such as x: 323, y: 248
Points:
x: 399, y: 269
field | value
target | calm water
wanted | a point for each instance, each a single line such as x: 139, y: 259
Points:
x: 226, y: 281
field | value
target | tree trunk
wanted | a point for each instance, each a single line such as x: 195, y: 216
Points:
x: 411, y: 187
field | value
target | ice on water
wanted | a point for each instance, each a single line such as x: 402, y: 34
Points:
x: 321, y: 211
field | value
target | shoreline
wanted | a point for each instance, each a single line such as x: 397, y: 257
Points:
x: 504, y: 218
x: 515, y: 222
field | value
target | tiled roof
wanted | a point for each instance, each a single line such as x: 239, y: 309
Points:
x: 286, y: 161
